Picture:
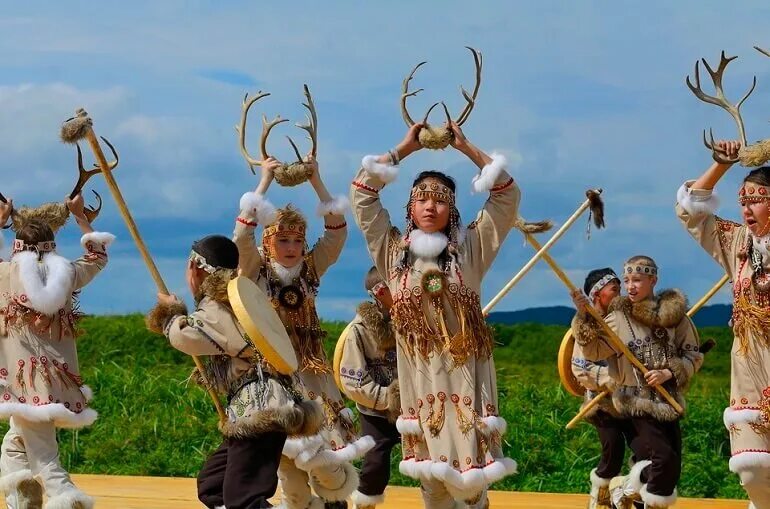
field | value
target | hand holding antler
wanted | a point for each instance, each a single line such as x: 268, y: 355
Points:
x: 312, y: 163
x: 411, y: 142
x: 6, y: 209
x: 76, y: 206
x: 730, y: 148
x: 459, y: 141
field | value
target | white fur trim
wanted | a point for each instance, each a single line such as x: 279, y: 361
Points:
x: 486, y: 180
x: 749, y: 459
x: 494, y: 423
x: 461, y: 485
x: 52, y: 295
x: 296, y: 446
x: 697, y: 202
x: 599, y: 482
x: 385, y: 172
x: 220, y: 507
x: 10, y: 482
x: 343, y: 492
x: 409, y: 426
x: 286, y: 274
x: 87, y: 393
x: 259, y: 206
x: 426, y: 245
x: 68, y: 499
x: 338, y: 206
x: 634, y: 483
x: 57, y: 413
x: 326, y: 457
x: 743, y: 416
x: 653, y: 501
x: 103, y: 239
x: 359, y: 499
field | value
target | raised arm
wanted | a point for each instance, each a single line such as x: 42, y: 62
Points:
x: 328, y: 248
x: 95, y: 244
x: 254, y: 209
x: 372, y: 218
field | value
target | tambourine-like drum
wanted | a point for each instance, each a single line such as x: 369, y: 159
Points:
x: 256, y: 315
x: 339, y: 351
x: 564, y: 361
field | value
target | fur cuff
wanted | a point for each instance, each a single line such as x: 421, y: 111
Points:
x: 302, y: 419
x: 10, y: 482
x: 749, y: 460
x: 681, y: 376
x: 743, y: 416
x: 494, y: 424
x: 361, y: 500
x: 70, y: 499
x: 385, y: 172
x: 409, y: 426
x: 599, y: 482
x: 585, y: 329
x: 486, y: 180
x: 393, y: 400
x: 697, y: 201
x: 159, y: 316
x: 102, y: 239
x: 654, y: 501
x: 634, y: 483
x: 337, y: 206
x: 343, y: 492
x: 259, y: 206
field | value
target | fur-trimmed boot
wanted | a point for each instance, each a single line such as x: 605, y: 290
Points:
x: 333, y: 486
x: 22, y: 491
x: 653, y: 501
x: 600, y: 492
x: 361, y: 501
x: 625, y: 490
x: 70, y: 499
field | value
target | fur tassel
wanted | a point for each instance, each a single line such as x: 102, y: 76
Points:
x: 102, y: 239
x: 69, y: 499
x: 385, y: 172
x: 337, y: 206
x: 487, y: 179
x: 393, y: 400
x: 596, y: 207
x: 159, y: 316
x: 361, y: 500
x: 654, y: 501
x: 259, y: 206
x: 495, y: 424
x: 536, y: 227
x: 697, y: 202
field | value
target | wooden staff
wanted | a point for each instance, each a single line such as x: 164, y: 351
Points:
x: 81, y: 126
x: 542, y: 251
x: 697, y: 307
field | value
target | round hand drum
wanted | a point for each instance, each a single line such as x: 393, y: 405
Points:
x: 256, y: 315
x: 564, y: 362
x: 339, y: 351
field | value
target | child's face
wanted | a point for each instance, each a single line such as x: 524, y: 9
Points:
x: 288, y: 249
x: 194, y: 277
x: 604, y: 297
x: 382, y: 294
x: 639, y: 286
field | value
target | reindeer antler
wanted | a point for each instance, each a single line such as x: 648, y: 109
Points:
x: 312, y: 123
x: 763, y: 51
x: 406, y: 94
x: 720, y: 100
x: 241, y: 129
x: 85, y: 175
x: 471, y: 99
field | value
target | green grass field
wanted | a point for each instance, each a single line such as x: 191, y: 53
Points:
x: 153, y: 423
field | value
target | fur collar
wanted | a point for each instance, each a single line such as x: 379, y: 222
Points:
x: 762, y: 245
x: 48, y: 284
x: 286, y: 274
x: 215, y: 286
x: 380, y: 325
x: 427, y: 245
x: 666, y: 309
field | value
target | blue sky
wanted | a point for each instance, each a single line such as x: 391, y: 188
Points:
x: 577, y: 94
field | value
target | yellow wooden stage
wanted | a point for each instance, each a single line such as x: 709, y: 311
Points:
x: 123, y: 492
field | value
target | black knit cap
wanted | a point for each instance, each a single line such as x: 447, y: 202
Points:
x: 595, y: 275
x: 218, y: 250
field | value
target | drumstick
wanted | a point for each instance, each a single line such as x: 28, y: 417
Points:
x: 86, y: 131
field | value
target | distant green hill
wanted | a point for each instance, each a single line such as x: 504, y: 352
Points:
x: 716, y: 315
x: 152, y: 422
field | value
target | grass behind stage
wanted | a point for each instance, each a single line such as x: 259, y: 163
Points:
x: 152, y: 423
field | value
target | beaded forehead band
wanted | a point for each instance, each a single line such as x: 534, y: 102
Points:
x: 597, y: 287
x: 201, y: 262
x: 282, y: 228
x: 640, y: 268
x: 752, y: 193
x: 433, y: 188
x: 41, y: 247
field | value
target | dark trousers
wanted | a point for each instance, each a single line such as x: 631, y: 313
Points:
x: 375, y: 472
x: 661, y: 443
x: 614, y: 434
x: 242, y: 473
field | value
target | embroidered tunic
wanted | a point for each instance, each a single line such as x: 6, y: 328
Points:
x: 748, y: 416
x: 451, y: 430
x: 39, y: 372
x: 337, y: 441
